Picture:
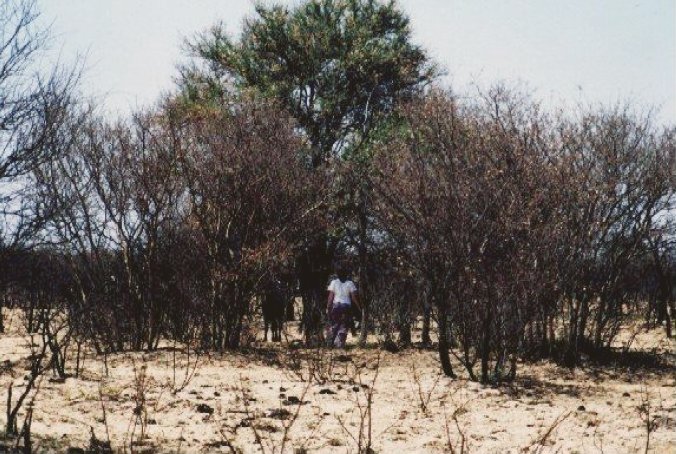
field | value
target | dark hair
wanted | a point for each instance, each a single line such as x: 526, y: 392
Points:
x: 342, y: 273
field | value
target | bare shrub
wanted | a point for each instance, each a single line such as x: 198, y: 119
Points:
x: 452, y: 180
x: 139, y: 419
x: 461, y: 445
x: 189, y: 369
x: 423, y: 393
x: 647, y: 418
x: 321, y: 366
x: 248, y: 194
x: 518, y: 223
x: 540, y: 442
x: 37, y: 366
x: 364, y: 437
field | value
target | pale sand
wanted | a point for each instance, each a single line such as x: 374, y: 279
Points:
x: 494, y: 420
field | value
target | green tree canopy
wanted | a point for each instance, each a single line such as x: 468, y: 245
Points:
x: 337, y: 65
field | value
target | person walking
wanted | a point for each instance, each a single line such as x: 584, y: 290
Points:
x: 342, y: 294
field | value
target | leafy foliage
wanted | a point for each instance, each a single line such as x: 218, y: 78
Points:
x: 337, y: 65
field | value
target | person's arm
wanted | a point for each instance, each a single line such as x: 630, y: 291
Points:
x: 329, y: 303
x: 354, y: 297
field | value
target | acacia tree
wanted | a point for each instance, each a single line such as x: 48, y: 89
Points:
x: 339, y: 67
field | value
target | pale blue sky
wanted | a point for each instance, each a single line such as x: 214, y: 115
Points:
x: 566, y: 51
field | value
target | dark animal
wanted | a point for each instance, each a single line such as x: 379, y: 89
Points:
x: 274, y: 307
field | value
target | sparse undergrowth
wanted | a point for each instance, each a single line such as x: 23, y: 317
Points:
x: 360, y: 400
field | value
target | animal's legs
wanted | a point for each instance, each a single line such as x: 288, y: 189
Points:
x: 277, y: 328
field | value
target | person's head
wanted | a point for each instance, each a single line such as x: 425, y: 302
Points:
x: 342, y: 272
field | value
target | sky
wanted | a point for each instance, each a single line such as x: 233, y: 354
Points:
x: 565, y: 52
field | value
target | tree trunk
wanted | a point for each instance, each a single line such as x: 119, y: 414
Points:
x: 404, y: 324
x: 571, y: 354
x: 314, y: 268
x: 444, y: 356
x: 600, y: 322
x: 363, y: 328
x: 2, y: 319
x: 427, y: 317
x: 363, y: 266
x: 664, y: 305
x: 485, y: 347
x: 311, y: 322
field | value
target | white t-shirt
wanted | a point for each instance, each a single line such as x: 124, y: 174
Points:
x: 341, y: 291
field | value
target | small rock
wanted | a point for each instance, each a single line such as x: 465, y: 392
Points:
x: 355, y: 389
x: 70, y: 450
x: 625, y: 394
x: 335, y: 442
x: 218, y: 444
x: 246, y: 422
x: 282, y: 389
x: 279, y: 413
x: 581, y: 408
x: 217, y: 394
x: 204, y: 408
x: 293, y: 400
x: 326, y: 391
x: 265, y: 382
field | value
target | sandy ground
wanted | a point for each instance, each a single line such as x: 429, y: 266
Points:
x: 252, y: 402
